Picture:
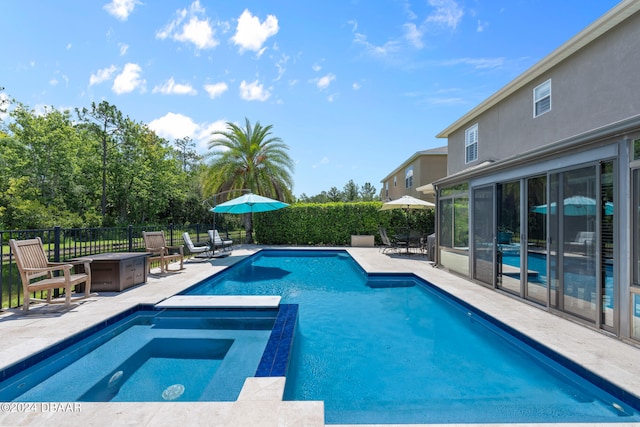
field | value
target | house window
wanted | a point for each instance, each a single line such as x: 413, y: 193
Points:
x: 395, y: 181
x: 386, y: 190
x: 471, y: 144
x: 542, y: 99
x: 408, y: 177
x: 636, y: 149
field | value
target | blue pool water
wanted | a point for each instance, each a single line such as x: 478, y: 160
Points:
x: 393, y: 349
x: 150, y: 355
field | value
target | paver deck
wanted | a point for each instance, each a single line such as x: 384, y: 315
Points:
x: 260, y: 402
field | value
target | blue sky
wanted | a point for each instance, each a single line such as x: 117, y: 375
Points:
x: 353, y: 87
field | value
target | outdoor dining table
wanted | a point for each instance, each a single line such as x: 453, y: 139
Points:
x: 409, y: 239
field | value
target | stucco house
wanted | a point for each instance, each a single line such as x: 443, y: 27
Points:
x: 542, y: 196
x: 422, y: 168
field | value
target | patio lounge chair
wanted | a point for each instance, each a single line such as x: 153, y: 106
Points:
x: 32, y: 263
x: 217, y: 241
x: 584, y: 242
x: 387, y: 244
x: 203, y: 250
x: 156, y: 245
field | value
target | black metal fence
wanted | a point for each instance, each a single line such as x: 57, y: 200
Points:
x: 66, y: 243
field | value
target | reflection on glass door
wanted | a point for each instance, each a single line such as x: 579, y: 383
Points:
x: 508, y: 237
x: 578, y: 212
x: 483, y: 235
x: 607, y: 245
x: 536, y: 240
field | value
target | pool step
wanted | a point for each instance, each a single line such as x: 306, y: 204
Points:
x: 221, y: 301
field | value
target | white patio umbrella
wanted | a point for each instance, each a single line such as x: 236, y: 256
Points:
x: 407, y: 202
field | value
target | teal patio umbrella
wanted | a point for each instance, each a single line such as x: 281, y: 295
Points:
x: 249, y: 203
x: 575, y: 206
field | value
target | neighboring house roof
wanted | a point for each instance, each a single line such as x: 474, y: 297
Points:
x: 609, y: 20
x: 439, y: 151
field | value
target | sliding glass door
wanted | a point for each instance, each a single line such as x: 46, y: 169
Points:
x: 535, y: 246
x: 581, y: 241
x: 484, y: 265
x: 509, y: 248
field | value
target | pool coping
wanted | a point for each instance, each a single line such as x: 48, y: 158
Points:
x: 221, y: 301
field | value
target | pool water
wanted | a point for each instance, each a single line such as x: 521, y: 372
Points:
x: 405, y: 352
x: 151, y: 355
x: 163, y: 369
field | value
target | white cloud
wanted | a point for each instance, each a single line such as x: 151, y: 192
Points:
x: 477, y: 63
x: 316, y: 67
x: 325, y: 81
x: 413, y: 35
x: 129, y: 80
x: 171, y: 88
x: 53, y: 82
x: 121, y: 9
x: 102, y: 75
x: 482, y: 25
x: 356, y: 86
x: 384, y: 50
x: 123, y: 48
x: 253, y: 91
x: 251, y: 34
x: 69, y: 46
x: 216, y: 89
x: 447, y: 13
x: 280, y: 65
x: 198, y: 32
x: 173, y: 126
x: 323, y: 161
x: 187, y: 27
x: 446, y: 101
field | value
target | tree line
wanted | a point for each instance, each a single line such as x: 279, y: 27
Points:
x: 93, y: 167
x: 97, y: 167
x: 351, y: 192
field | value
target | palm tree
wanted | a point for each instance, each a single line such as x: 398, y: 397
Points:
x: 249, y: 158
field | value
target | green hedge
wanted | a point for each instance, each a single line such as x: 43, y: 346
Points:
x: 333, y: 224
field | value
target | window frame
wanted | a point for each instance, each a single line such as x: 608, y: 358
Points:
x: 408, y: 177
x: 537, y: 100
x: 473, y: 130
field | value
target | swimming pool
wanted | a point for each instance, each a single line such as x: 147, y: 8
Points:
x: 391, y: 348
x: 151, y: 354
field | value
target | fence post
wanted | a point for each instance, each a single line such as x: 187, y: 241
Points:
x: 130, y: 237
x: 56, y: 243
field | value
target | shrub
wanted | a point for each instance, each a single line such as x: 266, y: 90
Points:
x: 333, y: 223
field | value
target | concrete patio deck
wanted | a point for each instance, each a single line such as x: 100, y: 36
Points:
x: 260, y: 402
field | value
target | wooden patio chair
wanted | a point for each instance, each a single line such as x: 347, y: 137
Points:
x: 156, y: 245
x: 38, y: 274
